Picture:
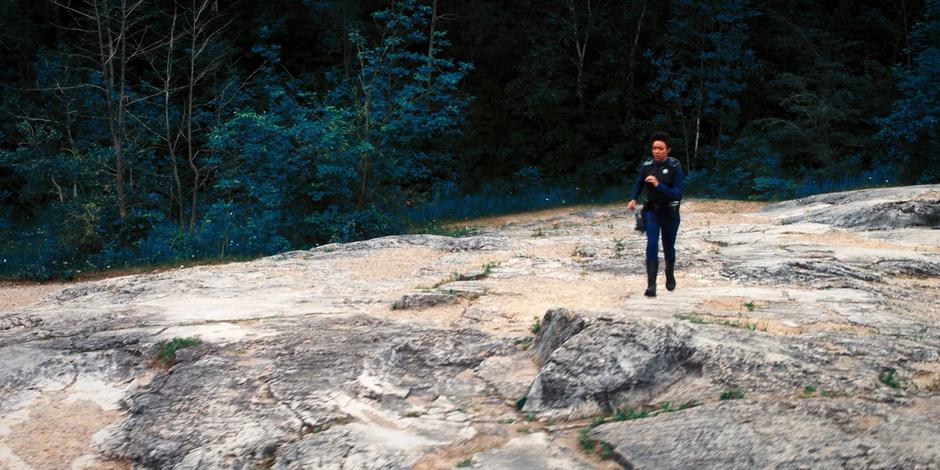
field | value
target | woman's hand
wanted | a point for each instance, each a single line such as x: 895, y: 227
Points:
x: 632, y: 204
x: 652, y: 180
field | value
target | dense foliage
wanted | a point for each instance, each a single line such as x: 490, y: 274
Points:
x: 152, y: 131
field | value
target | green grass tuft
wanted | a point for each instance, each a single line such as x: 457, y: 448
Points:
x: 732, y: 394
x: 888, y: 377
x: 165, y: 351
x: 536, y: 326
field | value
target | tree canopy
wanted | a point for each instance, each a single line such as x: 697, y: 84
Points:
x: 151, y: 131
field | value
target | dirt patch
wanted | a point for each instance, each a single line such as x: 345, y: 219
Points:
x: 525, y: 218
x: 927, y: 376
x: 450, y: 457
x: 59, y: 434
x: 551, y: 250
x: 441, y: 315
x: 403, y: 263
x: 741, y: 305
x: 698, y: 213
x: 15, y: 295
x: 721, y: 206
x: 387, y: 264
x: 522, y: 299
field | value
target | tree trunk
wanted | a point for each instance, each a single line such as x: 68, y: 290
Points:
x: 580, y: 47
x: 631, y: 74
x: 119, y: 148
x: 170, y: 140
x: 685, y: 138
x: 190, y: 156
x: 106, y: 51
x: 364, y: 158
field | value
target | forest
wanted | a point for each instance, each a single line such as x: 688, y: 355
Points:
x: 155, y: 132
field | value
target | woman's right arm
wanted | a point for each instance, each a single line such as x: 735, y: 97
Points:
x: 637, y: 186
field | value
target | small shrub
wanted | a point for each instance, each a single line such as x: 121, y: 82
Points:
x: 749, y: 305
x: 521, y: 402
x: 464, y: 463
x: 536, y: 326
x: 618, y: 246
x: 809, y: 389
x: 538, y: 233
x: 488, y: 268
x: 887, y: 377
x: 732, y: 394
x: 165, y: 351
x: 588, y: 444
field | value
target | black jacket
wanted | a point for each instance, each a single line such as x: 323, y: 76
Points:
x: 669, y: 173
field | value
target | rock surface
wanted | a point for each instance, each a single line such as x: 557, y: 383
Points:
x: 802, y: 335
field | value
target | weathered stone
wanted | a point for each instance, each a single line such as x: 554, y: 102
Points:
x: 555, y: 328
x: 423, y: 300
x: 886, y: 208
x: 509, y: 376
x: 606, y: 365
x: 622, y: 363
x: 19, y: 321
x: 802, y: 433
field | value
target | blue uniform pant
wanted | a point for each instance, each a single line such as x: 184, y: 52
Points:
x: 658, y: 221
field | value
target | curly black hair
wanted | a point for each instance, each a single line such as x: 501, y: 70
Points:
x: 660, y: 135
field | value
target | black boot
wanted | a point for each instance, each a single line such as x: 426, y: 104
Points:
x: 652, y: 268
x: 670, y: 275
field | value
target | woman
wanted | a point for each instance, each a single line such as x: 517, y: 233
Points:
x: 661, y: 177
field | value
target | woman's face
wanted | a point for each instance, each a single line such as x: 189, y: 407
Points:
x: 660, y: 150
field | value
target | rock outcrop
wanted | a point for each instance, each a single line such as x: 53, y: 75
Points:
x: 802, y: 335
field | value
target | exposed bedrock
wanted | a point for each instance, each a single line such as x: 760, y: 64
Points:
x: 324, y: 393
x: 801, y: 335
x: 595, y: 364
x: 791, y: 434
x: 880, y: 209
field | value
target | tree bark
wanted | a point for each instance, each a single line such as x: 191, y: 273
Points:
x: 631, y: 73
x: 170, y: 139
x: 106, y: 50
